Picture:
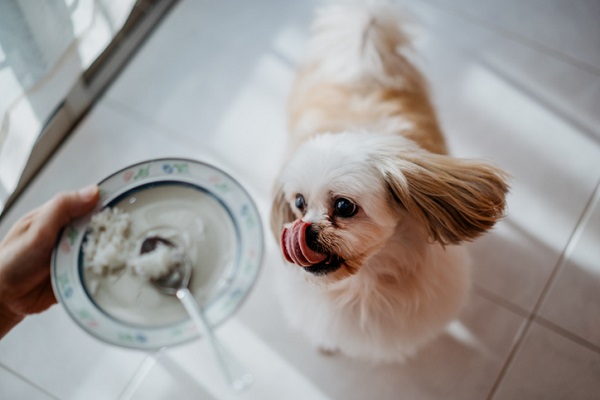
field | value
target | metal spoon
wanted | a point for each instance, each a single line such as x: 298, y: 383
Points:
x: 176, y: 282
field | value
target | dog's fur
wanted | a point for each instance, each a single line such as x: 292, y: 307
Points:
x: 381, y: 282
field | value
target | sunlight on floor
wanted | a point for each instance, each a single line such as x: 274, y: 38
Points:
x: 274, y: 377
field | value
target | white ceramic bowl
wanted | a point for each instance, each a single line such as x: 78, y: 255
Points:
x: 222, y: 229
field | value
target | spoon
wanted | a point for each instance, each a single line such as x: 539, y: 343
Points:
x: 176, y: 282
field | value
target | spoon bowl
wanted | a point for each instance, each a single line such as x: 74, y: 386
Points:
x: 177, y: 275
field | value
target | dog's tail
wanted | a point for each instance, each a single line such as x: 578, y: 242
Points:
x: 351, y: 42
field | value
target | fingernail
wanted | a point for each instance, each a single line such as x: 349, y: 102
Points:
x: 88, y: 193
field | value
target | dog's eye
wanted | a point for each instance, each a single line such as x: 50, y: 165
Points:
x: 345, y: 208
x: 300, y: 203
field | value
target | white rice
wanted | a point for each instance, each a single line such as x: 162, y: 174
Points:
x: 110, y: 248
x: 108, y: 245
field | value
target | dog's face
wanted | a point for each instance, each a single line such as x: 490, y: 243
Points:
x: 338, y: 211
x: 341, y: 197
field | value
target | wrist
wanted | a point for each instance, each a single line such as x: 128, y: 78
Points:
x: 8, y: 320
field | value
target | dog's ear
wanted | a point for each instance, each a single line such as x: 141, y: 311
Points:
x: 457, y: 199
x: 281, y: 213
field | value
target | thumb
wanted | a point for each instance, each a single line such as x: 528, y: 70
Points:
x: 66, y: 206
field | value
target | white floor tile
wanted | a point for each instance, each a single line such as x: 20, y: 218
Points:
x: 513, y: 264
x: 55, y: 354
x: 462, y: 364
x: 564, y: 28
x: 554, y: 169
x: 548, y: 366
x: 226, y: 94
x: 13, y: 387
x: 194, y: 70
x: 554, y: 166
x: 573, y: 303
x: 570, y: 92
x: 428, y: 24
x: 190, y: 371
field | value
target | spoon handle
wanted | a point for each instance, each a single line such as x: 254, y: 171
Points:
x: 231, y: 368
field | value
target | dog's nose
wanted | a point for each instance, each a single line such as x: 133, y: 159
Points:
x: 312, y: 236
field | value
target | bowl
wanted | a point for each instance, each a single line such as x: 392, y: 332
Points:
x: 207, y: 209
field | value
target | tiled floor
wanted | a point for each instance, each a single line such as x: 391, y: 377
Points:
x: 515, y: 82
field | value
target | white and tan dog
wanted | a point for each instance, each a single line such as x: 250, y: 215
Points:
x: 369, y: 210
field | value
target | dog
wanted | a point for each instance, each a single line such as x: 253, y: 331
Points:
x: 369, y: 210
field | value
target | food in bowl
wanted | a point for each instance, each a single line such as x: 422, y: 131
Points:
x: 110, y: 248
x: 117, y: 272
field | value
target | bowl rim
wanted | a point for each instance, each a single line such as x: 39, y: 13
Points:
x: 150, y: 337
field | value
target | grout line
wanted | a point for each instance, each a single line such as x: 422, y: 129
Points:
x: 130, y: 112
x: 500, y: 301
x: 140, y: 375
x: 562, y: 261
x: 585, y: 128
x: 565, y: 333
x: 138, y: 117
x: 24, y: 379
x: 568, y: 251
x: 516, y: 37
x: 518, y: 340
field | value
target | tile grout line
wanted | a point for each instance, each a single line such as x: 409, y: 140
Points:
x: 126, y: 110
x: 499, y: 301
x: 581, y: 127
x: 522, y: 333
x: 516, y: 37
x: 519, y: 338
x: 116, y: 105
x: 565, y: 333
x: 140, y: 375
x: 24, y: 379
x: 571, y: 243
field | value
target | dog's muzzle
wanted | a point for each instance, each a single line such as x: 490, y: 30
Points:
x: 297, y: 245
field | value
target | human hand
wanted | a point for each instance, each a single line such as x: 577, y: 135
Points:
x: 25, y: 253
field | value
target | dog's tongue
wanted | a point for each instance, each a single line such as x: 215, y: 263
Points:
x: 294, y: 247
